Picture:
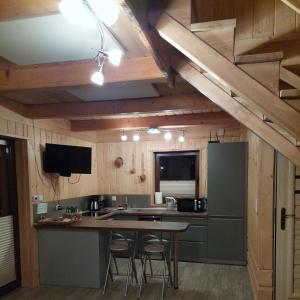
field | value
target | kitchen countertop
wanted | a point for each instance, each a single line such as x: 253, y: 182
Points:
x: 95, y: 223
x: 106, y: 221
x: 111, y: 212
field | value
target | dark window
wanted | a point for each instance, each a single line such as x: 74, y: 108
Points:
x: 177, y: 166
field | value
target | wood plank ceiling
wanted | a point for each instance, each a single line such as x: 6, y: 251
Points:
x: 248, y: 50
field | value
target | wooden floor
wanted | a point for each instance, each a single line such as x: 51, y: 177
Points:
x: 196, y: 281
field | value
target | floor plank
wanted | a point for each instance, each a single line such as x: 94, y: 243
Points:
x: 196, y: 281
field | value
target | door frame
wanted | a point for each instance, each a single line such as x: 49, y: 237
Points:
x: 284, y: 239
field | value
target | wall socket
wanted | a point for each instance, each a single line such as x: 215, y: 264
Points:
x: 113, y: 198
x: 37, y: 198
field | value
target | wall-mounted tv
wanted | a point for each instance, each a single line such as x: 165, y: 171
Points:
x: 66, y: 160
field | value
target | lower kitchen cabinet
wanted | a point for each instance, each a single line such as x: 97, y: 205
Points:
x: 226, y: 240
x: 192, y: 251
x: 193, y: 242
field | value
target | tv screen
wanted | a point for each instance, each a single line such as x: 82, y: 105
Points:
x: 65, y: 160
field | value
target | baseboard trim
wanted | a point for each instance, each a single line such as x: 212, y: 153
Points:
x: 259, y: 292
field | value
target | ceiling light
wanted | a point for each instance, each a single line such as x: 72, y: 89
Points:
x: 78, y: 13
x: 98, y: 77
x: 124, y: 136
x: 115, y: 56
x: 136, y: 137
x: 153, y: 130
x: 168, y: 136
x: 106, y: 10
x: 181, y: 138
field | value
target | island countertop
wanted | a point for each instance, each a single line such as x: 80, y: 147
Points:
x: 106, y: 222
x: 98, y: 224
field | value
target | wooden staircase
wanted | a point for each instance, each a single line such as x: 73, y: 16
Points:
x: 245, y: 86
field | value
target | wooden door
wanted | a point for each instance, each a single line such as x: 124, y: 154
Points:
x: 287, y: 230
x: 9, y: 237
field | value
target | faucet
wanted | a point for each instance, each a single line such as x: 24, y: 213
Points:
x: 171, y: 202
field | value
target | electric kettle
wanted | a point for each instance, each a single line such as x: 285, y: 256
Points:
x: 94, y: 204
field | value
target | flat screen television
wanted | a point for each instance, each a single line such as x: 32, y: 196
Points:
x: 66, y: 160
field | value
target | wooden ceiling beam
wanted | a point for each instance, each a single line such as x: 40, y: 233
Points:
x: 115, y: 107
x: 222, y: 69
x: 237, y: 110
x: 16, y: 107
x: 215, y: 118
x: 78, y: 73
x: 21, y: 9
x: 293, y: 4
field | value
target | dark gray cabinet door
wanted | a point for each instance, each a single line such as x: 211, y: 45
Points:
x: 192, y: 251
x: 227, y: 179
x: 226, y: 240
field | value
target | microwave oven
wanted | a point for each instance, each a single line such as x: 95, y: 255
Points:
x: 191, y: 204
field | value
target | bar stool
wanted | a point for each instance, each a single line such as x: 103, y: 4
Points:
x: 153, y: 245
x: 119, y: 244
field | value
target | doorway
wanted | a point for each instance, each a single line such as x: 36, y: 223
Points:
x: 9, y: 227
x: 287, y: 230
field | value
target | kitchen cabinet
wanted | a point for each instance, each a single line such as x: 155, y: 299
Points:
x: 72, y: 257
x: 227, y: 198
x: 193, y: 242
x: 226, y: 240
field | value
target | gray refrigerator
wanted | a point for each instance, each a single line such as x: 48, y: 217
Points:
x: 227, y: 202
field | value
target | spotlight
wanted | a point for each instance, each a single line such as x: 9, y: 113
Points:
x: 124, y: 136
x: 168, y: 136
x: 98, y: 77
x: 181, y: 138
x: 77, y: 13
x: 136, y: 137
x: 115, y: 56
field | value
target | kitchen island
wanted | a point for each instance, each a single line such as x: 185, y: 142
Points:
x: 75, y: 254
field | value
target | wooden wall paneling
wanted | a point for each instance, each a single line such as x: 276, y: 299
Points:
x: 244, y: 19
x: 213, y: 10
x: 285, y: 19
x: 263, y: 19
x: 260, y: 216
x: 32, y: 180
x: 265, y: 190
x: 120, y: 181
